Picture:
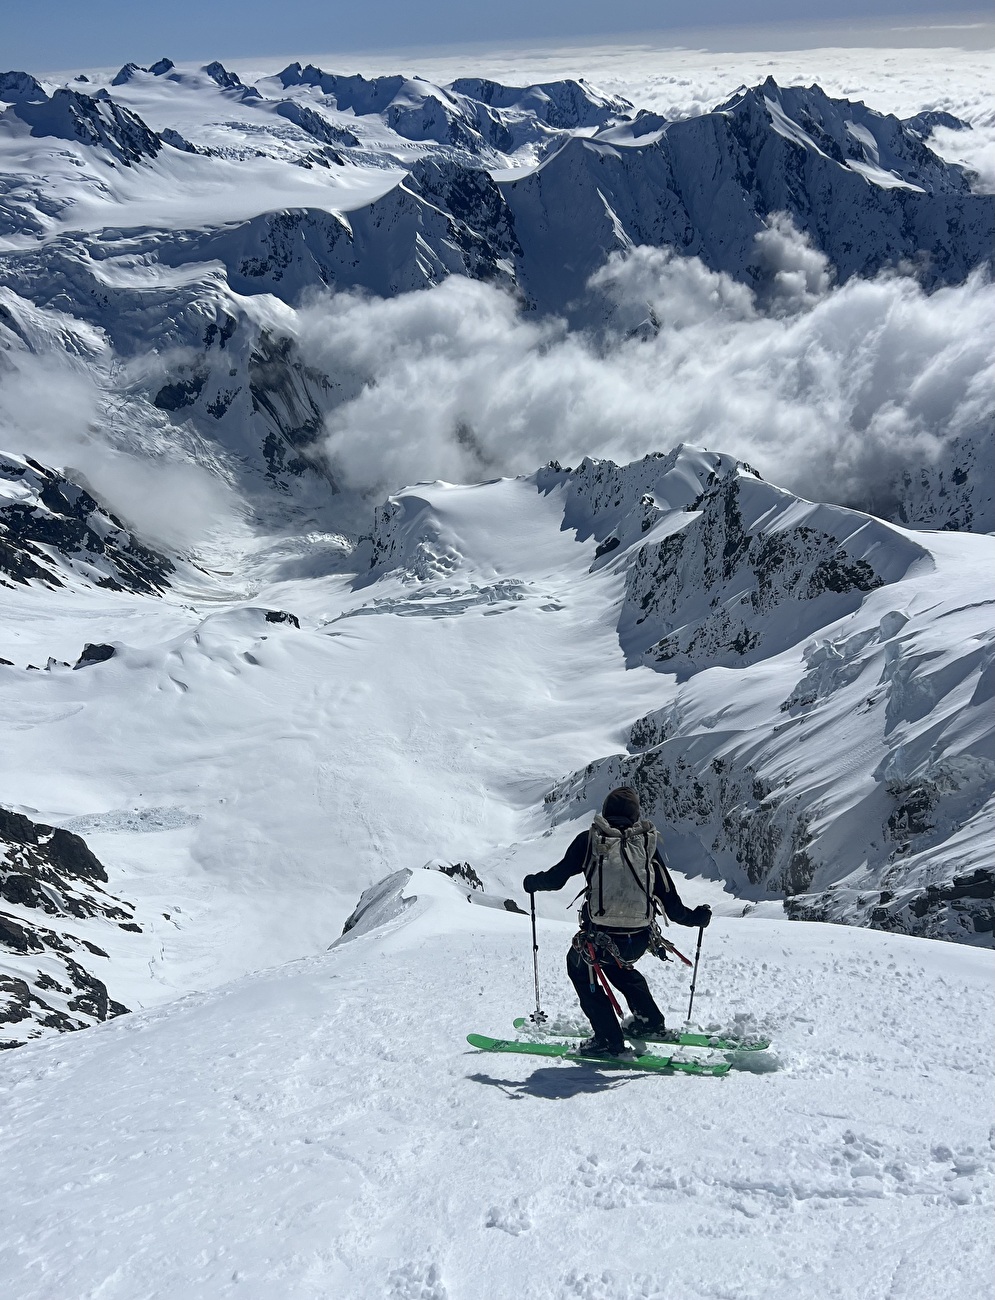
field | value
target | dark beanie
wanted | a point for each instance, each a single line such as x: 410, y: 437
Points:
x: 621, y: 805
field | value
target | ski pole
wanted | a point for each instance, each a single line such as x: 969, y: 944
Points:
x: 539, y: 1016
x: 694, y: 973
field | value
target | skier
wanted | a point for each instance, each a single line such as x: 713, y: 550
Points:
x: 627, y: 884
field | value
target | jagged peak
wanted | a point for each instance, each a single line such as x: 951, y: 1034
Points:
x: 548, y: 99
x: 925, y: 123
x: 18, y: 86
x: 126, y: 74
x: 95, y: 120
x: 222, y: 77
x: 131, y: 70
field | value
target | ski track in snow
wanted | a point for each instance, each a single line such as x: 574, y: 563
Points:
x: 323, y: 1129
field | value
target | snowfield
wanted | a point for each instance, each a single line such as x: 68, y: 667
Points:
x: 323, y: 1129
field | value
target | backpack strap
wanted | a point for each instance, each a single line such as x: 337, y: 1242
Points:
x: 665, y: 880
x: 587, y: 859
x: 643, y: 884
x: 589, y: 875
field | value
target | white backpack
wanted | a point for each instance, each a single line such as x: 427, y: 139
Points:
x: 620, y: 875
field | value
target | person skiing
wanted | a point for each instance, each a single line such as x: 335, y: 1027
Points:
x: 627, y: 884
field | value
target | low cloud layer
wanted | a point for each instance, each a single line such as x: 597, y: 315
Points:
x: 64, y: 410
x: 830, y: 391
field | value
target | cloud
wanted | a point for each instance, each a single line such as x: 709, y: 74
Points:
x: 975, y: 149
x: 61, y: 404
x: 830, y: 391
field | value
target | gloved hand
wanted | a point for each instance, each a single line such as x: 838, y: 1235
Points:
x: 701, y: 915
x: 530, y: 884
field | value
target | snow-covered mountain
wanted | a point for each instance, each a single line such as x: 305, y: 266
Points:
x: 181, y: 214
x: 582, y: 177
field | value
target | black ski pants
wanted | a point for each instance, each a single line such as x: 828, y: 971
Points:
x: 633, y: 987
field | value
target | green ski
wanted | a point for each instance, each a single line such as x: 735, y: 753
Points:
x: 678, y: 1040
x: 659, y: 1064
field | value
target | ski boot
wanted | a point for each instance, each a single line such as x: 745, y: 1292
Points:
x: 601, y: 1047
x: 648, y: 1031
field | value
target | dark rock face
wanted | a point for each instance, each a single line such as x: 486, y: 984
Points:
x: 964, y: 904
x: 713, y: 592
x: 16, y: 86
x: 94, y: 654
x: 483, y: 226
x: 45, y: 981
x: 287, y: 394
x: 181, y: 392
x: 462, y: 871
x: 281, y: 616
x: 92, y: 120
x: 220, y: 74
x: 51, y: 527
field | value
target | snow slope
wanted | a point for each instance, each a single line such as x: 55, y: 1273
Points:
x: 259, y: 744
x: 323, y: 1129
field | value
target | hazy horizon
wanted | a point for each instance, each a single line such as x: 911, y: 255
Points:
x: 71, y: 45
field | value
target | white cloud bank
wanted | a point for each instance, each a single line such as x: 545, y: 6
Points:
x: 829, y: 391
x: 59, y: 405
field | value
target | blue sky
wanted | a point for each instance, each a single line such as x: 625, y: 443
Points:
x: 43, y: 35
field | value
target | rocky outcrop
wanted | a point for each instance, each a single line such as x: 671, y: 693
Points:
x: 93, y: 120
x: 220, y: 75
x: 954, y: 493
x: 20, y: 86
x: 752, y: 572
x: 51, y: 530
x: 50, y: 880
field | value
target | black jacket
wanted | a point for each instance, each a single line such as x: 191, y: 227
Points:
x: 572, y: 864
